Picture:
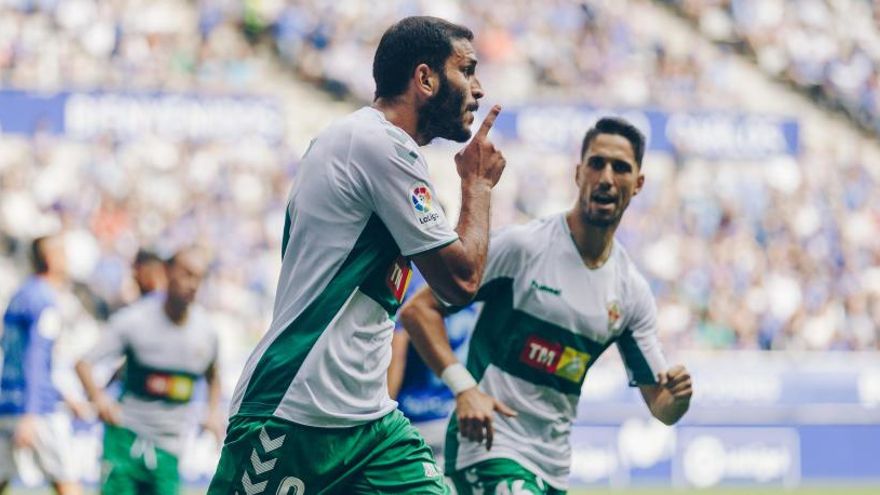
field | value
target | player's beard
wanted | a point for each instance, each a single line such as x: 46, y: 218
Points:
x: 598, y: 219
x: 443, y: 115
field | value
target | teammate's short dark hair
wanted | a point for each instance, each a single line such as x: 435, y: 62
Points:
x: 38, y: 255
x: 408, y: 43
x: 621, y: 127
x: 145, y: 257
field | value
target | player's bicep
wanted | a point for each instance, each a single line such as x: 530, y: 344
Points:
x: 439, y: 268
x: 639, y: 344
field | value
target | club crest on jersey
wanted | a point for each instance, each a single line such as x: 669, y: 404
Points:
x: 555, y: 359
x: 615, y: 317
x: 398, y: 277
x: 423, y: 204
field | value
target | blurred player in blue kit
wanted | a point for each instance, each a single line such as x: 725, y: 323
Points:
x: 32, y: 422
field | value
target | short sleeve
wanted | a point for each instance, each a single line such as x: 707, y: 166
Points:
x: 639, y: 344
x: 111, y: 344
x: 508, y: 253
x: 400, y: 193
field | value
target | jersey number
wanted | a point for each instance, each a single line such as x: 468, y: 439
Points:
x: 291, y: 485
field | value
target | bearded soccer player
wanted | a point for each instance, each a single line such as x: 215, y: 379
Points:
x: 557, y: 292
x: 311, y: 412
x: 168, y: 343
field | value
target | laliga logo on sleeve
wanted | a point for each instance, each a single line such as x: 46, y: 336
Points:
x: 421, y: 199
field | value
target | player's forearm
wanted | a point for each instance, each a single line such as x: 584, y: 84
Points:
x: 473, y: 229
x: 214, y: 389
x: 84, y: 372
x: 423, y: 320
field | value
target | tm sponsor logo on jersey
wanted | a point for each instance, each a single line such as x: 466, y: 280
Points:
x: 398, y: 277
x: 422, y: 202
x: 555, y: 359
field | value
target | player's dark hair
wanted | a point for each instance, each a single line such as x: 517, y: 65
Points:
x: 144, y: 257
x: 621, y: 127
x: 408, y: 43
x: 38, y: 255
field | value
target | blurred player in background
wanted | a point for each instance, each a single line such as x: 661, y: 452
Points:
x: 168, y: 343
x: 311, y: 411
x: 149, y: 272
x: 31, y: 423
x: 422, y: 397
x: 558, y: 291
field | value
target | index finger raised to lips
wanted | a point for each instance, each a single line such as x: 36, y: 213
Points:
x: 488, y: 122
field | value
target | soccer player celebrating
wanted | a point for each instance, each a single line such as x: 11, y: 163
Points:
x: 557, y: 292
x: 30, y: 419
x: 168, y: 343
x: 311, y: 412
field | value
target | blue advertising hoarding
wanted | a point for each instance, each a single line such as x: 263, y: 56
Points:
x: 705, y: 134
x: 85, y: 115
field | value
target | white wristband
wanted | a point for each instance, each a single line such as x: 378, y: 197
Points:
x: 457, y: 378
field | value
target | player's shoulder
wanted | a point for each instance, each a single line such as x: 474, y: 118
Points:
x: 636, y: 285
x: 202, y: 320
x: 32, y: 297
x: 138, y: 310
x: 369, y: 135
x: 530, y: 237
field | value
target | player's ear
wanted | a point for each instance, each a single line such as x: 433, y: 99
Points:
x: 426, y: 80
x: 578, y: 172
x: 640, y: 182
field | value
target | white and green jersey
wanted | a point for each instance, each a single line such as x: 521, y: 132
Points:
x: 361, y: 204
x: 545, y: 320
x: 163, y: 361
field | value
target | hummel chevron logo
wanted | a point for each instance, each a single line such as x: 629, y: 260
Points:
x: 270, y: 444
x: 251, y: 488
x: 261, y: 467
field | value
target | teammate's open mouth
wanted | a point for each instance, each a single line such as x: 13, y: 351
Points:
x: 603, y: 199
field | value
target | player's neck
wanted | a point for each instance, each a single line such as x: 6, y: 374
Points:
x: 176, y: 311
x: 402, y: 114
x: 594, y: 243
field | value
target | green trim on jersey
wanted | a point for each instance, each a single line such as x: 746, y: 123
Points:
x: 151, y: 383
x: 527, y: 347
x: 372, y: 253
x: 641, y: 371
x: 285, y: 239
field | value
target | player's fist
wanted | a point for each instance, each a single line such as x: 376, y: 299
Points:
x: 474, y: 410
x: 108, y: 410
x: 25, y: 435
x: 677, y: 380
x: 480, y: 160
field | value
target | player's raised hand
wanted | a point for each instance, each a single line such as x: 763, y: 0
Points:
x: 475, y: 410
x: 480, y: 160
x: 677, y: 380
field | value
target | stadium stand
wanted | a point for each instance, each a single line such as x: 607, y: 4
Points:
x: 763, y: 250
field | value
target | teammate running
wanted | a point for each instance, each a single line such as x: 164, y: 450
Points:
x: 557, y: 292
x: 311, y: 411
x: 31, y: 422
x: 168, y: 343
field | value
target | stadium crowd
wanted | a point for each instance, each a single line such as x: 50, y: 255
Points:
x: 830, y: 49
x: 740, y: 255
